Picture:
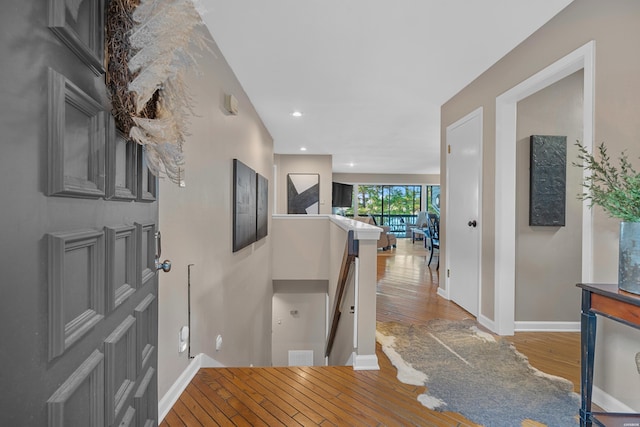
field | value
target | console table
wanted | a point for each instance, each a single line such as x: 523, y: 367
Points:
x: 605, y: 300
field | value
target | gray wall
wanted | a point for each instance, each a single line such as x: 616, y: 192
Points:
x: 614, y: 27
x: 299, y: 323
x: 549, y: 259
x: 231, y: 292
x: 386, y: 179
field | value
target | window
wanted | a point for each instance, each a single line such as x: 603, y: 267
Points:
x: 395, y: 205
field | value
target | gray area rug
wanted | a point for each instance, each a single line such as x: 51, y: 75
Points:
x: 466, y: 370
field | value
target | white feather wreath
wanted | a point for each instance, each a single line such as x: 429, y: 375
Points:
x: 164, y: 39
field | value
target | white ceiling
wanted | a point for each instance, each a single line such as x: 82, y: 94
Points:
x: 368, y: 75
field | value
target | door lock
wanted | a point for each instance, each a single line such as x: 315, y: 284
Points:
x: 166, y: 264
x: 472, y: 223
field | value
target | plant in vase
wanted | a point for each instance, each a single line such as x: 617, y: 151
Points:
x: 616, y: 189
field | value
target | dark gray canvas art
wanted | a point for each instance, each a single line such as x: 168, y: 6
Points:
x: 244, y: 205
x: 547, y: 185
x: 262, y: 207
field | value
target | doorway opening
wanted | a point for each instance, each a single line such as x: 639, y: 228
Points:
x: 505, y: 191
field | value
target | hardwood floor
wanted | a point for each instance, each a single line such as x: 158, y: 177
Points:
x: 340, y: 396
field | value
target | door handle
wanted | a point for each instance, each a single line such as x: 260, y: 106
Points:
x: 472, y: 223
x: 166, y: 264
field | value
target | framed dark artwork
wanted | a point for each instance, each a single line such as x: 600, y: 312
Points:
x: 548, y: 180
x: 244, y: 205
x: 262, y: 207
x: 303, y: 193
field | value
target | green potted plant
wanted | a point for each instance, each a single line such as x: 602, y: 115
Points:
x: 616, y: 189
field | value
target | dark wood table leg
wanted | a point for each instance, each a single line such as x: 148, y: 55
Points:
x: 588, y: 342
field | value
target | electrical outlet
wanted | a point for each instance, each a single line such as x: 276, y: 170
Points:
x: 218, y: 342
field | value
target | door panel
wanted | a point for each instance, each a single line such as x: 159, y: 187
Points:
x: 79, y: 289
x: 464, y: 140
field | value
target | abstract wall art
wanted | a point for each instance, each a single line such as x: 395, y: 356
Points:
x: 262, y: 207
x: 547, y: 185
x: 250, y: 206
x: 303, y: 193
x: 244, y: 205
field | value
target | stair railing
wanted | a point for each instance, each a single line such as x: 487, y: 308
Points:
x: 348, y: 261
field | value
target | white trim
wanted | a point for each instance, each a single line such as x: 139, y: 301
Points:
x: 366, y: 362
x: 351, y: 359
x: 274, y: 210
x: 506, y: 115
x: 527, y: 326
x: 588, y: 120
x: 486, y: 322
x: 327, y: 317
x: 444, y: 293
x: 362, y: 231
x: 208, y: 362
x: 356, y: 283
x: 477, y: 113
x: 173, y: 394
x: 301, y: 217
x: 609, y: 403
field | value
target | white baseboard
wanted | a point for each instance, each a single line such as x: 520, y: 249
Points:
x: 173, y: 394
x: 547, y: 326
x: 443, y: 293
x: 609, y: 403
x: 208, y: 362
x: 351, y: 360
x: 366, y: 362
x: 487, y: 323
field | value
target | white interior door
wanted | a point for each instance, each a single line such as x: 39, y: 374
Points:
x: 463, y: 225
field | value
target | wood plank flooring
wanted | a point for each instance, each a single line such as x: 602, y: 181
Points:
x: 340, y: 396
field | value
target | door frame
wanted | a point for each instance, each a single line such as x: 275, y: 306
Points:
x: 445, y: 293
x: 582, y: 58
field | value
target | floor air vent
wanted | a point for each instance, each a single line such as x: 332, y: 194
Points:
x: 300, y: 357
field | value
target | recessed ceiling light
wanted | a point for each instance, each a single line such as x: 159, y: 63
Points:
x: 303, y: 148
x: 351, y: 164
x: 297, y: 114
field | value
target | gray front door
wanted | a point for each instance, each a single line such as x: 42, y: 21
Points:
x: 78, y: 217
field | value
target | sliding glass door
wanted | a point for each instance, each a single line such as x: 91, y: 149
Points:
x: 394, y: 205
